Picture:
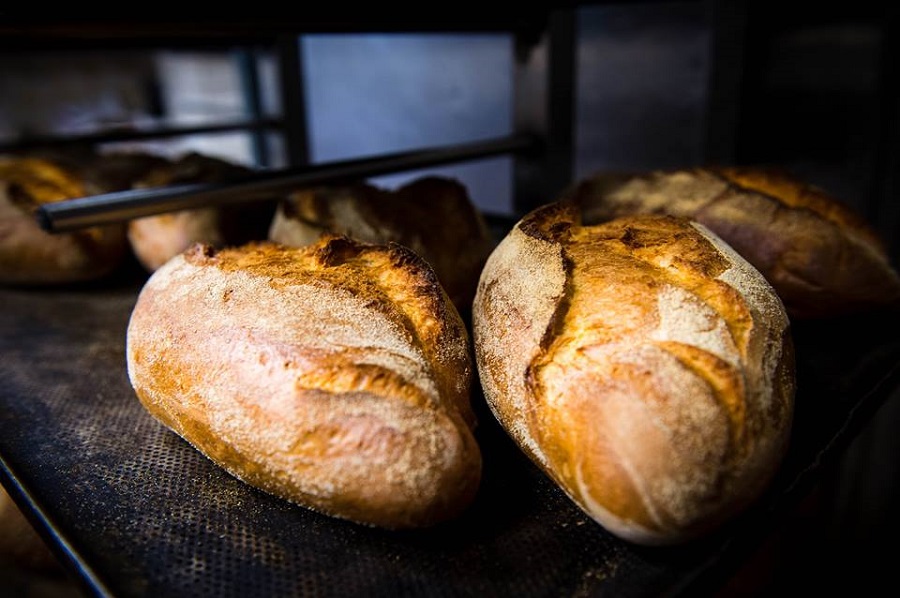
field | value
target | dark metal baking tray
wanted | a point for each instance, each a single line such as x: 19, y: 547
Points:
x: 134, y: 511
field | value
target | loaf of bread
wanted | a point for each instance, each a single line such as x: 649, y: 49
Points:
x: 157, y: 239
x: 29, y: 255
x: 106, y: 171
x: 821, y: 257
x: 120, y: 171
x: 641, y: 363
x: 336, y: 376
x: 432, y: 215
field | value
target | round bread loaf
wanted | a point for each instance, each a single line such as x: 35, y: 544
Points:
x: 30, y: 255
x: 336, y: 376
x: 432, y: 215
x: 157, y: 239
x: 821, y: 257
x: 642, y: 364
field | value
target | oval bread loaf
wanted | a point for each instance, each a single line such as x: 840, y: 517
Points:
x: 335, y: 376
x: 821, y: 257
x: 431, y: 215
x: 32, y: 256
x: 641, y: 363
x: 158, y: 238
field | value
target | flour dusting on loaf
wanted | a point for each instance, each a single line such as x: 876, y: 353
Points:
x: 336, y: 376
x: 654, y: 381
x: 525, y: 266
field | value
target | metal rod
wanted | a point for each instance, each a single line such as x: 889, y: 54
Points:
x: 545, y: 80
x: 246, y: 60
x: 291, y: 84
x: 120, y: 206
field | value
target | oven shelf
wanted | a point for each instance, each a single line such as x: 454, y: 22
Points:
x: 134, y: 511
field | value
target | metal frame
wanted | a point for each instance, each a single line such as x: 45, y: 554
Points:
x: 542, y: 145
x: 544, y: 89
x: 125, y: 205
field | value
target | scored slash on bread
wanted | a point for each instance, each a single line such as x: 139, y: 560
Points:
x: 644, y: 365
x: 336, y: 376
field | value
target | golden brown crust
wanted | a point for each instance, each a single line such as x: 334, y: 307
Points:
x: 649, y: 373
x: 822, y: 258
x: 157, y: 239
x: 432, y: 215
x: 30, y: 255
x: 336, y: 376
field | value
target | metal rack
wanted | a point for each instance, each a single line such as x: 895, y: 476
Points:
x: 134, y: 511
x: 542, y: 142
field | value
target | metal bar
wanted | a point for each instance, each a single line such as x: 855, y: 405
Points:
x: 138, y: 134
x: 16, y: 31
x: 250, y: 89
x: 293, y: 99
x: 545, y: 81
x: 125, y: 205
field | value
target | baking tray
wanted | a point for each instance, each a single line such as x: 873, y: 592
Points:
x: 132, y: 510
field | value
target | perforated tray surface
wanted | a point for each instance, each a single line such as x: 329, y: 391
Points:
x: 136, y: 511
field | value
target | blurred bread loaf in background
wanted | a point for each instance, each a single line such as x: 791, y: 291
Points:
x: 158, y: 238
x: 29, y: 255
x: 432, y: 215
x: 821, y: 256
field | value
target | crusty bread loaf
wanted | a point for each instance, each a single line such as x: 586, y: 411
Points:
x: 119, y: 171
x: 822, y: 258
x: 157, y: 239
x: 642, y: 364
x: 432, y: 215
x: 30, y: 255
x: 336, y: 376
